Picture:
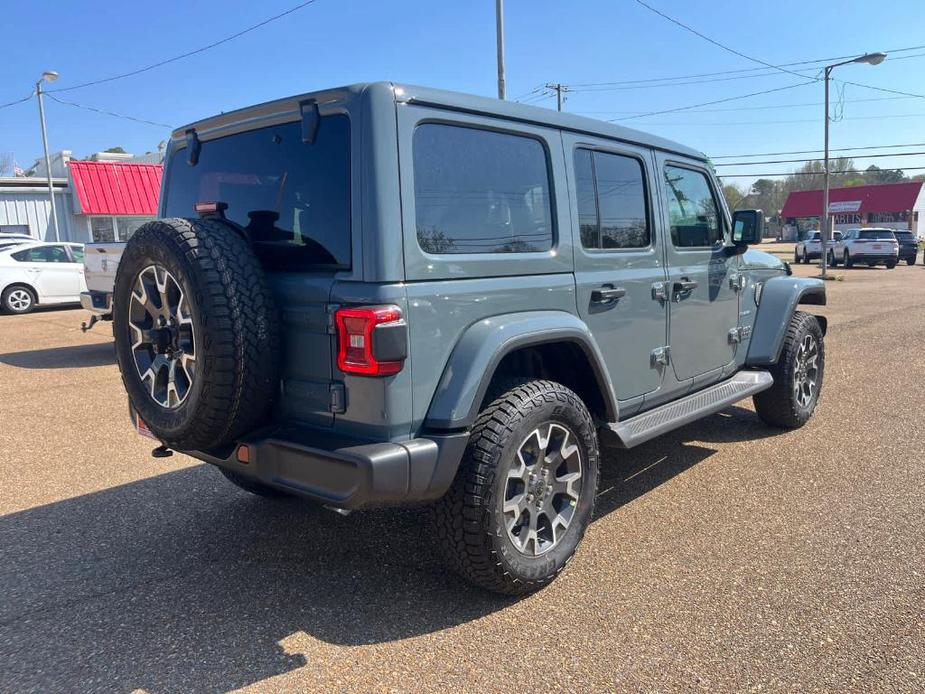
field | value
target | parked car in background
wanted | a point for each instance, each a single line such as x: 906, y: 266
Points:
x: 871, y: 246
x: 908, y: 245
x: 810, y: 248
x: 39, y: 273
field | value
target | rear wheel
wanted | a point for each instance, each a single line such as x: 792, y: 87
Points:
x: 18, y: 299
x: 890, y: 264
x: 525, y: 489
x: 833, y: 262
x: 791, y: 401
x: 911, y: 260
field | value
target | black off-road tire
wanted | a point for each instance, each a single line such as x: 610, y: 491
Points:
x: 778, y: 406
x: 468, y: 520
x: 9, y: 292
x: 235, y: 328
x: 251, y: 485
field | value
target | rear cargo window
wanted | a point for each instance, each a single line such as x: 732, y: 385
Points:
x: 480, y: 191
x: 292, y: 198
x: 882, y: 234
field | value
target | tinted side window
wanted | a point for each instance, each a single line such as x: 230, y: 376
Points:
x: 293, y: 198
x: 611, y: 200
x: 43, y: 254
x: 479, y: 191
x: 78, y: 253
x: 692, y: 210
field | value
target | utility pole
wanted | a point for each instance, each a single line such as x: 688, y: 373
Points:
x: 50, y: 76
x: 499, y: 27
x: 559, y: 89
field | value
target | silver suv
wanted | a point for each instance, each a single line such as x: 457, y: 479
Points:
x: 871, y: 246
x: 810, y: 248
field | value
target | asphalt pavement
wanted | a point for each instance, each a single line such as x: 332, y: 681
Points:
x: 726, y: 556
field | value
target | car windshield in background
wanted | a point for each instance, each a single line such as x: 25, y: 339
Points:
x: 292, y: 198
x: 877, y: 234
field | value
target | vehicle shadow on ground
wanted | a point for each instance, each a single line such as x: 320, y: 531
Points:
x: 70, y: 357
x: 180, y: 582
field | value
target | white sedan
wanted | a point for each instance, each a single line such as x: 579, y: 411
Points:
x: 35, y: 273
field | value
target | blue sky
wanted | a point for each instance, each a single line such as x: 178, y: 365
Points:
x: 451, y: 45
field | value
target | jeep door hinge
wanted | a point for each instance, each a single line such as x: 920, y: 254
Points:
x: 737, y: 335
x: 738, y: 281
x: 332, y: 326
x: 338, y: 398
x: 660, y: 357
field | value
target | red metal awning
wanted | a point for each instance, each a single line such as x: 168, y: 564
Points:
x: 885, y: 197
x: 116, y: 188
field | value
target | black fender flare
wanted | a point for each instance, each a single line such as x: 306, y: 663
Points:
x: 780, y: 297
x: 472, y: 364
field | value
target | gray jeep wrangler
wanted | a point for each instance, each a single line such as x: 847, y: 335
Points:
x: 390, y: 295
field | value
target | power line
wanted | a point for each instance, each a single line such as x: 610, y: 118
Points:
x: 109, y: 113
x: 816, y: 151
x: 812, y: 173
x: 758, y: 60
x: 761, y: 108
x: 710, y: 103
x: 202, y: 49
x: 750, y: 69
x: 18, y: 101
x: 803, y: 161
x: 777, y: 122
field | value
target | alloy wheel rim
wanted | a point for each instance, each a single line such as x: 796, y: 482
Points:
x: 163, y: 341
x: 19, y: 300
x: 542, y: 489
x: 806, y: 375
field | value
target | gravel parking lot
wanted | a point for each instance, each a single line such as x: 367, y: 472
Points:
x: 724, y: 557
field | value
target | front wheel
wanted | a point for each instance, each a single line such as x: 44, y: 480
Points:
x: 791, y: 401
x: 848, y: 261
x: 833, y: 262
x: 524, y: 492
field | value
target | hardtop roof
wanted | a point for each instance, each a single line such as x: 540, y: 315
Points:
x: 402, y: 93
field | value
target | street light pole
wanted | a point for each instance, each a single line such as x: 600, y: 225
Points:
x: 50, y: 76
x: 825, y: 220
x: 499, y: 28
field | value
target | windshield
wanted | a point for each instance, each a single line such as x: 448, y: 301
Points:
x: 292, y: 198
x: 878, y: 234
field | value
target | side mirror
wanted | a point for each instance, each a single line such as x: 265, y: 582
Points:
x: 747, y: 227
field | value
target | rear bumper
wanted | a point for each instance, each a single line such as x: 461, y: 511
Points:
x: 874, y: 257
x: 97, y: 302
x: 349, y: 474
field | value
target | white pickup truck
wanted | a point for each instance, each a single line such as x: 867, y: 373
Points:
x: 101, y: 260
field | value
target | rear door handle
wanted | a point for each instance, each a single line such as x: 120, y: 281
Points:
x: 683, y: 288
x: 606, y: 294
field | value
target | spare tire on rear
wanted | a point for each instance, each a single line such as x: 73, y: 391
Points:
x: 196, y: 331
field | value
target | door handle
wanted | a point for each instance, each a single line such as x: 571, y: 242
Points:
x: 683, y: 288
x: 606, y: 294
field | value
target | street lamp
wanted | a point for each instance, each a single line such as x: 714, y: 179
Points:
x: 47, y: 76
x: 824, y: 231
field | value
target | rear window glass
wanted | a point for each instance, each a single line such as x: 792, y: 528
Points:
x: 292, y: 198
x: 876, y: 234
x: 904, y: 235
x: 480, y: 191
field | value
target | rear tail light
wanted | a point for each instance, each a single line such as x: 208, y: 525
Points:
x: 371, y: 341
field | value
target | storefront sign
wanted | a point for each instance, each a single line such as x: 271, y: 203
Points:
x: 844, y: 206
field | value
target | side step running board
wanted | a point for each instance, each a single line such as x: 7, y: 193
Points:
x: 672, y: 415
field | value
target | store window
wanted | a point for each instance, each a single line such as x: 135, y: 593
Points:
x: 102, y: 230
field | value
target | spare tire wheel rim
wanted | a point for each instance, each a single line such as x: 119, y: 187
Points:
x: 163, y: 339
x: 542, y: 489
